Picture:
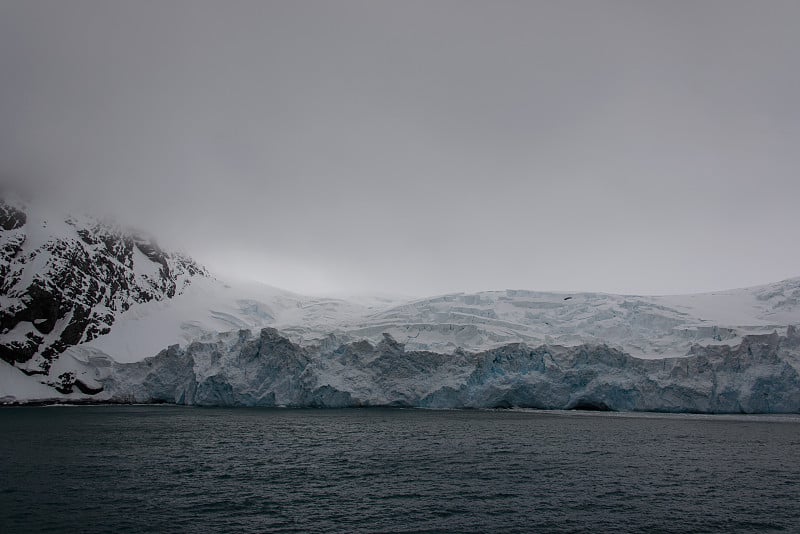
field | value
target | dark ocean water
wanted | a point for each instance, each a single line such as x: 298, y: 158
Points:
x: 145, y: 469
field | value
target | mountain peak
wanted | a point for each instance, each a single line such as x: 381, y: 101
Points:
x: 65, y: 279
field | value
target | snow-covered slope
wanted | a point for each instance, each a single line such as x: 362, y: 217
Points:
x: 209, y: 306
x: 645, y: 327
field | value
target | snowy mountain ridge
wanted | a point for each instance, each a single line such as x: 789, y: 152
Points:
x: 85, y: 305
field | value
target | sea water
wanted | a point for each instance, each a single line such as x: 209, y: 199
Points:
x: 175, y: 469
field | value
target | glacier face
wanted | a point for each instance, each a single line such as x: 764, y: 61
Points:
x: 759, y: 375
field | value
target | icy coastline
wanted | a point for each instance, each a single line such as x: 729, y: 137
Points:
x: 760, y: 375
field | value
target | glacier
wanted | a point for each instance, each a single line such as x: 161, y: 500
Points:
x: 242, y: 368
x: 90, y: 312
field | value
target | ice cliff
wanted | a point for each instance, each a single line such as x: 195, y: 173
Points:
x: 759, y: 375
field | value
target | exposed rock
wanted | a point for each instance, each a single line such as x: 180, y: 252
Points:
x: 64, y: 282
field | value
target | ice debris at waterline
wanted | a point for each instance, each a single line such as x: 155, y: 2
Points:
x: 760, y: 375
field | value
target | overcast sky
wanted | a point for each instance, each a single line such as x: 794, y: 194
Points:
x: 421, y: 147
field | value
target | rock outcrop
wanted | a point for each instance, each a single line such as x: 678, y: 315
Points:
x: 63, y: 281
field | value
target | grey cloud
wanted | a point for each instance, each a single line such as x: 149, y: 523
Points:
x: 421, y: 147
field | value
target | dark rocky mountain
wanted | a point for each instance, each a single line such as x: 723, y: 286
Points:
x: 64, y: 280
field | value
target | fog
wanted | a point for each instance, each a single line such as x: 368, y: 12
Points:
x: 421, y: 147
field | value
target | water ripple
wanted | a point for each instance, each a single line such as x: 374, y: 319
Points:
x: 146, y: 469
